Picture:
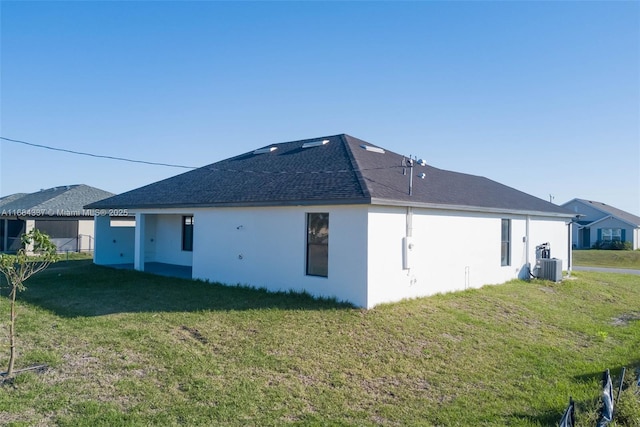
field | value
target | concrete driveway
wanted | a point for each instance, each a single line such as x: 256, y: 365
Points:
x: 607, y: 270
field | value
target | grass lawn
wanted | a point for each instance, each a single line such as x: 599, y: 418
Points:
x: 604, y: 258
x: 127, y: 348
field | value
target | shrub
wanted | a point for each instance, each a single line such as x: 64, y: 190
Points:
x: 615, y: 245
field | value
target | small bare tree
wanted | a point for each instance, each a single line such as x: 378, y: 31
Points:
x: 36, y: 254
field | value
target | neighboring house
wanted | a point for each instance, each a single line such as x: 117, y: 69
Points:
x: 336, y: 217
x: 601, y: 223
x: 58, y: 212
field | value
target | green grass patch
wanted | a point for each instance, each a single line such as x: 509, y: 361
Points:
x: 127, y: 348
x: 607, y: 258
x: 74, y: 256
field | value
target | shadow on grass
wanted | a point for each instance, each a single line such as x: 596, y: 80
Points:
x: 80, y: 288
x: 615, y: 371
x: 586, y: 410
x: 549, y: 418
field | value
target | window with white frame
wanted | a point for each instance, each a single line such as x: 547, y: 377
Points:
x: 611, y: 234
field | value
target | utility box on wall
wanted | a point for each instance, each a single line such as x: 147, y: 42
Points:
x: 551, y: 269
x: 407, y: 249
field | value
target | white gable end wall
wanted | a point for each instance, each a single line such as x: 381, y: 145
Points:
x: 266, y: 247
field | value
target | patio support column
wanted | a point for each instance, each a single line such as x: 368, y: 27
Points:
x: 30, y: 224
x: 101, y: 232
x: 138, y: 257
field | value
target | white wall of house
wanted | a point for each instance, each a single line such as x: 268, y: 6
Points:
x: 113, y: 244
x: 452, y: 251
x: 554, y: 232
x: 266, y: 247
x: 164, y: 240
x: 150, y: 227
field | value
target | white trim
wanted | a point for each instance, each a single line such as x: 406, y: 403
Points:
x: 480, y: 209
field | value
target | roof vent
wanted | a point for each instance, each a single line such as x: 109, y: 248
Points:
x: 372, y: 149
x: 265, y: 150
x: 315, y: 143
x: 422, y: 175
x: 422, y: 162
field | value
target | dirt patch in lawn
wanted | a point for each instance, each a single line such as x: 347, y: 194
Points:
x: 625, y: 318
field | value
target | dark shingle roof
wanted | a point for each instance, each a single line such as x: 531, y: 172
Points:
x: 619, y: 213
x: 338, y: 172
x: 67, y: 200
x: 5, y: 200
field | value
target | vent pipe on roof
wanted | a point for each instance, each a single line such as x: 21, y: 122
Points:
x: 410, y: 163
x: 410, y: 176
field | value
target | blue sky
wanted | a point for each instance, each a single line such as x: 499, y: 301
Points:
x: 540, y: 96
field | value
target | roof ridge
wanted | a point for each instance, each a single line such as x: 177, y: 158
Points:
x: 366, y: 191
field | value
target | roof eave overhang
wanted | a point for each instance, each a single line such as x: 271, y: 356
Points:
x: 464, y: 208
x: 330, y: 202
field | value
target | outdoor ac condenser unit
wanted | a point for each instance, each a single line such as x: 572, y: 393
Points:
x: 551, y: 269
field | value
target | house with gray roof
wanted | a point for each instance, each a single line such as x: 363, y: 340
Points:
x: 600, y: 224
x: 334, y: 216
x: 58, y: 212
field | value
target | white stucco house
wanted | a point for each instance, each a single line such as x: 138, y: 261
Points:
x: 59, y: 212
x: 601, y: 223
x: 337, y: 217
